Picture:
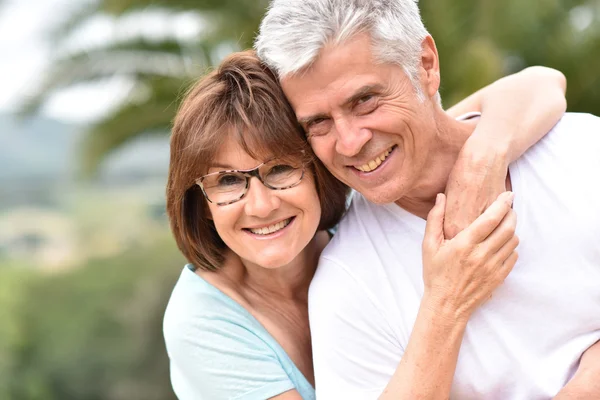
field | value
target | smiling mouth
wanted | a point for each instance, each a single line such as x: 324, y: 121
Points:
x: 376, y: 162
x: 267, y: 230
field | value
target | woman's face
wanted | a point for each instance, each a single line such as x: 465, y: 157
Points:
x: 266, y: 227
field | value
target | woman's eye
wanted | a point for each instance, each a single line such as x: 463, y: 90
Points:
x: 281, y: 169
x: 230, y: 180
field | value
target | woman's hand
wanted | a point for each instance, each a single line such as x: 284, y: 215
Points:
x: 461, y: 273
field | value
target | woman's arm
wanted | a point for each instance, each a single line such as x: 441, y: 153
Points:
x: 528, y: 104
x: 516, y: 112
x: 459, y: 275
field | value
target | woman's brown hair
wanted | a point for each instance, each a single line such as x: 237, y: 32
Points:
x: 242, y: 99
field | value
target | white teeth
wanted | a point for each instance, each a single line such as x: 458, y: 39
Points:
x: 271, y: 228
x: 373, y: 164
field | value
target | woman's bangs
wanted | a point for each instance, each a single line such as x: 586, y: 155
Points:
x: 266, y: 142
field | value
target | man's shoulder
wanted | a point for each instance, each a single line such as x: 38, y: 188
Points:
x: 578, y: 120
x: 356, y: 258
x: 574, y: 128
x: 359, y: 222
x: 574, y: 139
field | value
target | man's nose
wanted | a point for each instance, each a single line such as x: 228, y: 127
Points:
x: 260, y: 200
x: 350, y: 138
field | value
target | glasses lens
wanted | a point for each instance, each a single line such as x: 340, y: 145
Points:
x: 224, y: 187
x: 280, y: 175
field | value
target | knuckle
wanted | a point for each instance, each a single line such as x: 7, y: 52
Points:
x: 477, y: 258
x: 516, y: 240
x: 464, y: 248
x: 511, y: 230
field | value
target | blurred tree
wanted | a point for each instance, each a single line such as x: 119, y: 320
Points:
x: 481, y: 40
x: 94, y: 333
x: 478, y: 40
x: 160, y: 68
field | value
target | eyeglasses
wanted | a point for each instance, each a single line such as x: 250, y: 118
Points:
x: 226, y: 187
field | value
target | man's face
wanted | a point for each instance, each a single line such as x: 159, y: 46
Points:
x: 364, y: 119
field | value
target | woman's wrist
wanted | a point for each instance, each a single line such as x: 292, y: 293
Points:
x: 445, y: 311
x: 496, y: 137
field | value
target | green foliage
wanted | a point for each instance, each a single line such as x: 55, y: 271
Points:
x: 479, y: 41
x: 160, y: 69
x: 94, y: 333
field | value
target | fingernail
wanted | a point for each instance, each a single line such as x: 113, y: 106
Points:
x: 438, y: 198
x: 510, y: 197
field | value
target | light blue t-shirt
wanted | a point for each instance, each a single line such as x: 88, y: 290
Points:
x: 218, y: 350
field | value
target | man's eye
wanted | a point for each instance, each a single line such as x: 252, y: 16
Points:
x: 366, y: 104
x: 317, y: 127
x: 364, y: 99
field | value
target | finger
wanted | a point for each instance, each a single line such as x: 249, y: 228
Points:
x: 500, y: 236
x: 505, y: 251
x: 461, y: 211
x: 434, y: 229
x: 485, y: 224
x: 507, y: 266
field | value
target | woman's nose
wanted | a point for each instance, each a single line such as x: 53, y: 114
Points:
x: 260, y: 200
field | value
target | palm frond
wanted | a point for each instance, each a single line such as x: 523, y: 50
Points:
x: 132, y: 120
x: 135, y: 59
x: 77, y: 17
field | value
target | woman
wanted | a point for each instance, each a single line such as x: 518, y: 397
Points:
x: 237, y: 323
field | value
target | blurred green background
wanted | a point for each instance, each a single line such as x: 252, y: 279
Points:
x: 88, y: 92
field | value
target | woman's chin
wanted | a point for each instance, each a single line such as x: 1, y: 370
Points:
x: 272, y: 262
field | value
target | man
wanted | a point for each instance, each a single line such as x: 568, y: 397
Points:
x: 363, y: 78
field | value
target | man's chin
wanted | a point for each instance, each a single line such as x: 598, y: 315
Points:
x: 379, y: 196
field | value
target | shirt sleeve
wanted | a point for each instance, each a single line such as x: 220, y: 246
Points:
x: 355, y: 351
x: 217, y: 359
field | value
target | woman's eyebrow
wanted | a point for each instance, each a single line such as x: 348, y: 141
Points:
x: 218, y: 165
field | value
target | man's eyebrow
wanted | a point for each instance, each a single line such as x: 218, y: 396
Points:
x: 361, y: 92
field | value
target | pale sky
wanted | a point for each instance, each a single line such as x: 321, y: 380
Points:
x: 25, y: 52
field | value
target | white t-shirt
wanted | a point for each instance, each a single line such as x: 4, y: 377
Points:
x: 525, y: 343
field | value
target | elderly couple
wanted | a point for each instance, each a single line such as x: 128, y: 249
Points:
x: 410, y: 293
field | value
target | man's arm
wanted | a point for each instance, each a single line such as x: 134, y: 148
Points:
x: 355, y: 346
x: 517, y: 111
x: 585, y: 384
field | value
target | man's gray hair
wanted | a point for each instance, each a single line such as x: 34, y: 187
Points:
x: 294, y: 31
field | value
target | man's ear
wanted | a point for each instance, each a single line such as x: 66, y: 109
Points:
x: 430, y: 67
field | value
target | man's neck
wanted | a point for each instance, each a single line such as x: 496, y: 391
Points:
x: 433, y: 178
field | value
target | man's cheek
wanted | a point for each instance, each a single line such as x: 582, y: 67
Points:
x: 324, y: 151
